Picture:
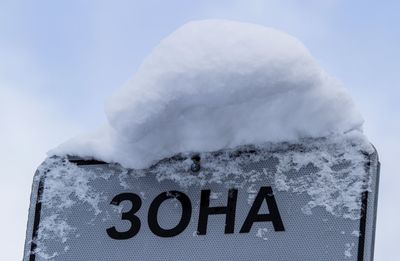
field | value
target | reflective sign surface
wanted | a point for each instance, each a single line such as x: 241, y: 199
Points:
x: 310, y: 201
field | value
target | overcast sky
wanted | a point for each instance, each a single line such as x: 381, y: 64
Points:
x: 59, y: 61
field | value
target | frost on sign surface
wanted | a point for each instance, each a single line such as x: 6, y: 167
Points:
x: 315, y: 182
x: 336, y: 171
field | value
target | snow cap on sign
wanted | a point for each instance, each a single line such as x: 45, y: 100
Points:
x: 218, y: 84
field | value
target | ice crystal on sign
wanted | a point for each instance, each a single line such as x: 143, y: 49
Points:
x: 349, y: 249
x: 66, y: 184
x: 262, y: 233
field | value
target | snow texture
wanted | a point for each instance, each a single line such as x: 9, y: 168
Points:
x: 65, y: 186
x: 218, y: 84
x: 338, y: 162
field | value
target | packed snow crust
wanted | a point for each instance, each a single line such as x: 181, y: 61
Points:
x: 218, y: 84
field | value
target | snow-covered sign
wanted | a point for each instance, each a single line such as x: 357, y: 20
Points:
x: 310, y: 200
x: 229, y: 143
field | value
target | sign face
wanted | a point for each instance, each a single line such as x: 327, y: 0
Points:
x: 310, y: 201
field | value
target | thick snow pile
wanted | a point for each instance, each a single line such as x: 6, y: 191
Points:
x: 218, y: 84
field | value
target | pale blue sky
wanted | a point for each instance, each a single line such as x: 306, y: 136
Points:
x: 60, y: 60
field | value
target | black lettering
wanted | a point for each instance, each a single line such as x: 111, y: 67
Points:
x: 273, y: 216
x: 185, y: 218
x: 130, y: 216
x: 206, y: 210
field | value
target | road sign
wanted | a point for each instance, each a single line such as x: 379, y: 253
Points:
x: 315, y: 200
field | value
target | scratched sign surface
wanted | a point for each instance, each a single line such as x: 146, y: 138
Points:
x: 313, y: 200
